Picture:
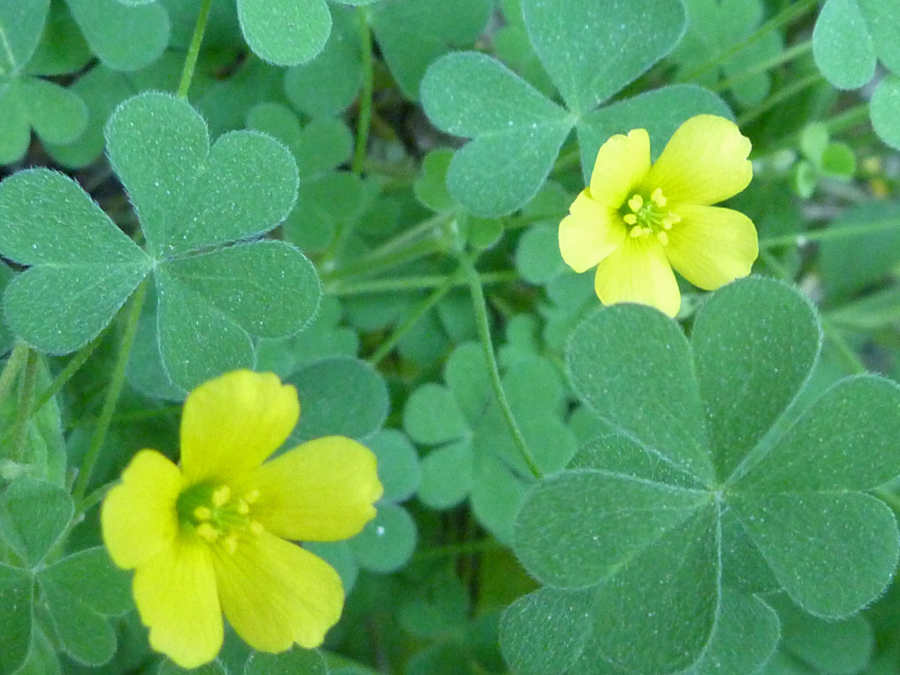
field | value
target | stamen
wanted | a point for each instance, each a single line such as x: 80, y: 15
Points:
x: 208, y: 532
x: 658, y: 198
x: 203, y: 513
x: 242, y: 507
x: 630, y: 219
x: 663, y: 238
x: 636, y: 232
x: 636, y: 203
x: 221, y: 496
x: 256, y: 528
x: 251, y: 496
x: 230, y: 543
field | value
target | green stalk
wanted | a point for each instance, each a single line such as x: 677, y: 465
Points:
x: 830, y: 233
x: 413, y: 284
x: 374, y: 264
x: 14, y: 363
x: 484, y: 332
x: 412, y: 319
x: 787, y: 15
x: 784, y: 57
x: 190, y: 61
x: 779, y: 98
x: 112, y: 395
x: 26, y: 403
x: 365, y: 98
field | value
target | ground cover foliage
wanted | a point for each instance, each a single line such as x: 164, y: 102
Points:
x: 364, y: 196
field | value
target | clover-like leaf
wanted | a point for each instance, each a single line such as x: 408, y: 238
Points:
x: 123, y: 36
x: 33, y: 516
x: 706, y: 492
x: 83, y: 267
x: 285, y: 32
x: 517, y: 131
x: 16, y: 617
x: 198, y: 206
x: 414, y: 33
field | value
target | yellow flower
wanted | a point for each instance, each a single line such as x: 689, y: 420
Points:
x: 209, y: 536
x: 636, y: 222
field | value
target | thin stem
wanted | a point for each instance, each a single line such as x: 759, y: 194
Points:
x: 72, y: 367
x: 190, y: 61
x: 14, y: 364
x: 412, y: 319
x: 419, y: 230
x: 789, y: 14
x: 365, y: 99
x: 784, y: 57
x: 829, y: 233
x: 26, y: 403
x: 463, y: 548
x: 778, y: 98
x: 412, y: 284
x: 845, y: 120
x: 484, y: 331
x: 373, y: 264
x: 112, y: 395
x: 853, y: 362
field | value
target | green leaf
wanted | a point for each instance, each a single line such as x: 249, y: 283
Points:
x: 296, y: 661
x: 285, y: 32
x: 882, y: 18
x: 831, y: 647
x: 432, y: 417
x: 76, y: 252
x: 431, y: 187
x: 634, y: 388
x: 842, y: 45
x: 339, y: 395
x: 414, y: 33
x: 166, y: 667
x: 884, y: 108
x: 537, y: 257
x: 447, y: 475
x: 188, y: 195
x: 736, y: 359
x: 565, y: 616
x: 16, y: 593
x: 123, y: 37
x: 328, y: 84
x: 387, y: 542
x: 398, y: 464
x: 21, y: 25
x: 592, y: 50
x: 34, y: 516
x: 518, y: 132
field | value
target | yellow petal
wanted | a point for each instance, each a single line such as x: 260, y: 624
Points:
x: 276, y: 594
x: 638, y: 272
x: 622, y: 163
x: 232, y: 423
x: 175, y: 593
x: 322, y: 490
x: 138, y: 517
x: 589, y: 234
x: 704, y: 162
x: 712, y: 246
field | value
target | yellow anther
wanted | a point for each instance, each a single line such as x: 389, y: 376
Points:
x: 667, y: 223
x: 658, y: 198
x: 663, y: 238
x: 636, y: 203
x: 256, y: 528
x: 230, y: 543
x: 630, y: 218
x: 203, y: 513
x: 251, y: 496
x: 636, y: 232
x: 674, y: 218
x: 221, y: 495
x: 242, y: 507
x: 207, y: 532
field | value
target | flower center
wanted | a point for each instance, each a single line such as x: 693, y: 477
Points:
x: 218, y: 516
x: 649, y: 216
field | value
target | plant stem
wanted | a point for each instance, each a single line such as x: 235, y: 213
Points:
x: 785, y: 56
x: 372, y: 264
x: 368, y: 87
x: 787, y: 15
x: 72, y: 367
x: 779, y: 97
x: 112, y: 395
x: 412, y: 284
x: 484, y: 332
x: 14, y: 363
x: 190, y: 61
x: 853, y: 362
x: 26, y: 403
x: 828, y: 233
x: 412, y: 319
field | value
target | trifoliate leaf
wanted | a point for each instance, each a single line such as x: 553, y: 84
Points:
x: 123, y: 37
x: 285, y: 32
x: 296, y: 661
x: 33, y: 516
x: 16, y: 620
x: 705, y: 486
